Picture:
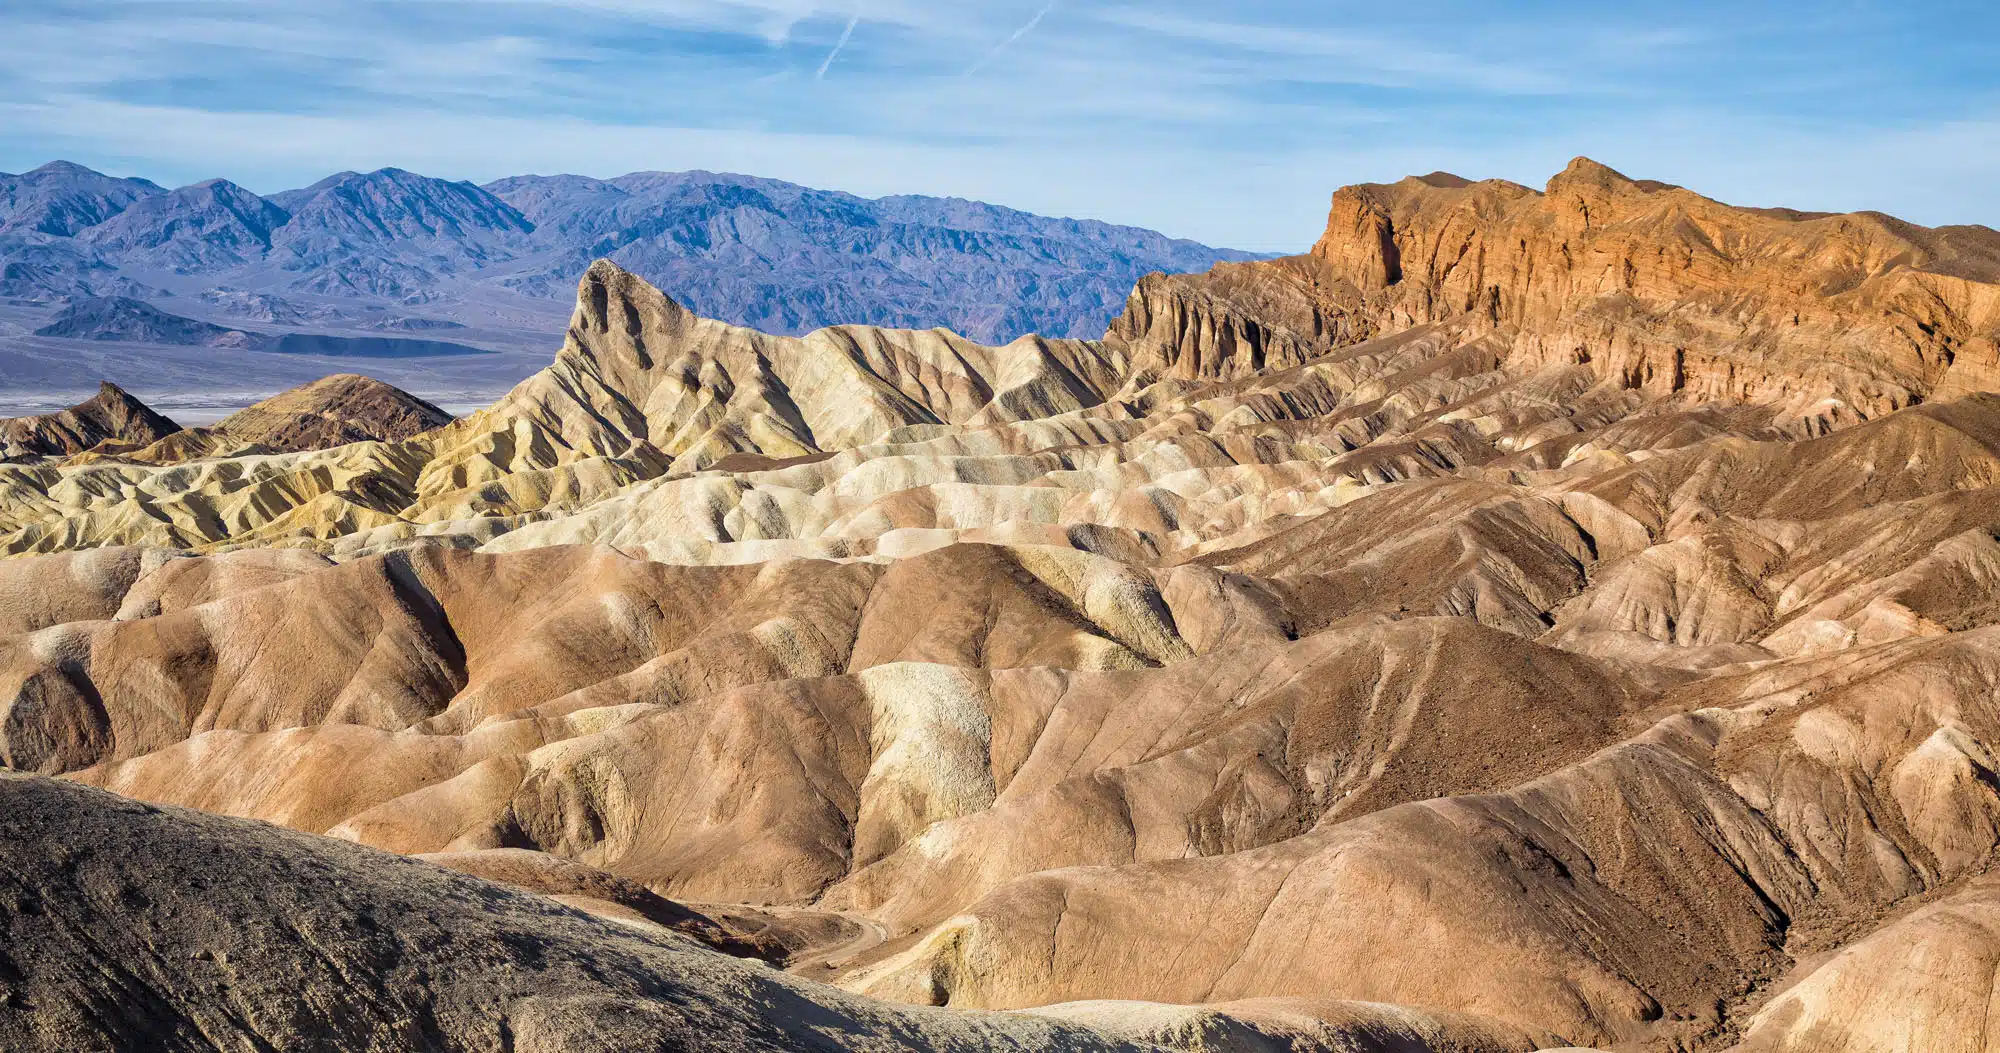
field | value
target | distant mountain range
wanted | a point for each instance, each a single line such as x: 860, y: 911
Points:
x: 758, y: 252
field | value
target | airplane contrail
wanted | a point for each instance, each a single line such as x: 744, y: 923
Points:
x: 1009, y: 42
x: 845, y: 34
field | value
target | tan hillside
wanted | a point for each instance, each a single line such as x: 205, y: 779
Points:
x: 338, y: 410
x: 1529, y: 620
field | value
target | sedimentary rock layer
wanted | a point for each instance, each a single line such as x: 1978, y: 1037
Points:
x: 1531, y: 619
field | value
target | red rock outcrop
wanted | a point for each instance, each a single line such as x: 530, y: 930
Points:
x: 1658, y: 288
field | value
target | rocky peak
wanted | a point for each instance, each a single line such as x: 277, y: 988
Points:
x: 1588, y: 193
x: 112, y: 414
x: 1582, y: 172
x: 213, y: 223
x: 334, y: 411
x: 1443, y: 180
x: 61, y: 198
x: 617, y: 313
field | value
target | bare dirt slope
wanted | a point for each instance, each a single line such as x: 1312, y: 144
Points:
x: 1531, y: 619
x: 241, y: 936
x: 334, y: 411
x: 111, y: 416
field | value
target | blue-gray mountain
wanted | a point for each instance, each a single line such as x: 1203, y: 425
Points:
x: 60, y: 199
x: 212, y: 225
x: 759, y: 252
x: 121, y: 319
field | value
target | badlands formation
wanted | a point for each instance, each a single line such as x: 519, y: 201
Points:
x: 1527, y: 620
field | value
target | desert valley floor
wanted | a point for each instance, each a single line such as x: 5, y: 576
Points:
x: 1531, y: 619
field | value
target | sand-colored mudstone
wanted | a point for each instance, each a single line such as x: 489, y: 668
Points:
x: 1528, y: 620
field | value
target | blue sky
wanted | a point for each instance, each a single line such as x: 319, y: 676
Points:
x: 1227, y: 122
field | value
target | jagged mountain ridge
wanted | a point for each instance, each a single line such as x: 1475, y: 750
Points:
x: 210, y: 225
x: 1292, y: 668
x: 999, y: 272
x: 761, y: 252
x: 386, y: 233
x: 60, y: 199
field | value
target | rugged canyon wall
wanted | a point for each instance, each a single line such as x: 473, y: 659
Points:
x: 1663, y: 290
x: 1650, y: 286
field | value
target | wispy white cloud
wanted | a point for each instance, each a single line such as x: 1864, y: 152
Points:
x: 773, y: 20
x: 1012, y: 38
x: 1361, y: 59
x: 1229, y: 123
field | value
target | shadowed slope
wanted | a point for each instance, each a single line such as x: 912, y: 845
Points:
x: 256, y: 935
x: 110, y: 416
x: 334, y: 411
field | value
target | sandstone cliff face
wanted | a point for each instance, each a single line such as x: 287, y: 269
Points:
x: 1651, y: 287
x: 1660, y: 289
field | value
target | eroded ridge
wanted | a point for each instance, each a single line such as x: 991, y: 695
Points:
x: 1529, y: 619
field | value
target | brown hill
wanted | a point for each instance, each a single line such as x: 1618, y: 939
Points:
x: 332, y: 411
x: 1530, y: 619
x: 109, y: 416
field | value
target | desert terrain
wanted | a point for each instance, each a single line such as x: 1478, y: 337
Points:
x: 1531, y: 619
